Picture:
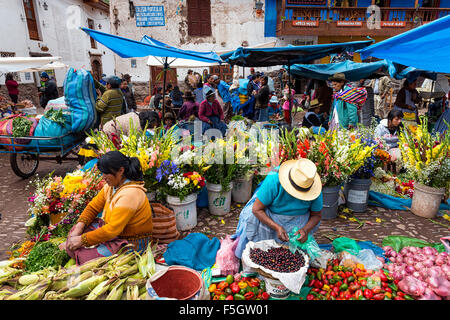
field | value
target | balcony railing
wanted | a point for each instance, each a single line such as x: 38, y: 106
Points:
x: 320, y: 19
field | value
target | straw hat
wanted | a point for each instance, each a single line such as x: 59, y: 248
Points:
x: 338, y: 77
x: 314, y: 104
x: 300, y: 179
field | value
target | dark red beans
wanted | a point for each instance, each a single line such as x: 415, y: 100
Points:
x: 277, y: 259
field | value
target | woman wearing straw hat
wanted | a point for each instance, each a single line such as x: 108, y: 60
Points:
x: 287, y: 198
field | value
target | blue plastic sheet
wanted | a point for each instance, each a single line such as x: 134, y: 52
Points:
x: 425, y: 47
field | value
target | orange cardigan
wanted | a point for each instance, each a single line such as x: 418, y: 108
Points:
x: 127, y: 214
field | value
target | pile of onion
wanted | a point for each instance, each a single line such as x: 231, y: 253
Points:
x: 422, y: 272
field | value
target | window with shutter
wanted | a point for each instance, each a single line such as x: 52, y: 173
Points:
x: 92, y: 26
x: 30, y: 15
x: 199, y: 18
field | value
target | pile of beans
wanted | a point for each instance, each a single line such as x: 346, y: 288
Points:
x: 277, y: 259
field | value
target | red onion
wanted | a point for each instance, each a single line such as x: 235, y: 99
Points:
x: 409, y: 269
x: 428, y: 251
x: 393, y: 253
x: 399, y: 259
x: 418, y: 266
x: 444, y: 254
x: 390, y: 267
x: 397, y: 275
x: 428, y: 263
x: 393, y: 260
x: 404, y: 251
x: 413, y: 249
x: 388, y: 248
x: 420, y: 257
x: 433, y: 281
x: 446, y: 269
x: 409, y: 261
x: 439, y: 261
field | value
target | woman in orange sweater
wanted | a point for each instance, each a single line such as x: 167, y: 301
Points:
x: 126, y: 209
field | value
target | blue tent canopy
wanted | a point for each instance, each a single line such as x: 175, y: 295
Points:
x: 354, y: 71
x: 426, y: 47
x: 128, y: 48
x: 265, y: 57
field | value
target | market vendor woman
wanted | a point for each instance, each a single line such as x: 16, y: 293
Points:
x: 126, y: 210
x: 288, y: 197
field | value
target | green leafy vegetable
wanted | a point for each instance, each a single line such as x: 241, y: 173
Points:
x: 45, y: 254
x: 56, y: 116
x: 21, y: 127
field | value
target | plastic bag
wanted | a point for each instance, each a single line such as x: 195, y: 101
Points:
x: 226, y: 260
x: 310, y: 246
x: 398, y: 242
x: 369, y: 260
x: 346, y: 244
x: 322, y: 260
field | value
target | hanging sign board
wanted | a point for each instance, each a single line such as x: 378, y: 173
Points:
x: 150, y: 16
x: 305, y: 23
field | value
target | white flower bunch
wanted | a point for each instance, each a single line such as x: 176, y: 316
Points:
x: 177, y: 181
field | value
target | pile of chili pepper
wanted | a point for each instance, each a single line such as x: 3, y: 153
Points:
x: 243, y: 288
x: 337, y: 282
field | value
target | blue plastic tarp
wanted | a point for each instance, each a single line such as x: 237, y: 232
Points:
x: 265, y: 57
x: 426, y: 47
x: 394, y: 203
x: 129, y: 48
x: 355, y: 71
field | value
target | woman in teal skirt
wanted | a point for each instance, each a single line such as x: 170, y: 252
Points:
x: 289, y: 197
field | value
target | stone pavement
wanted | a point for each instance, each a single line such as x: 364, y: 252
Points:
x: 13, y: 210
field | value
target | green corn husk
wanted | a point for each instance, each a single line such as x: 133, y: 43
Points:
x: 99, y: 290
x: 4, y: 293
x: 39, y: 292
x: 70, y: 263
x: 135, y: 282
x: 84, y: 287
x: 117, y: 291
x: 22, y: 294
x: 132, y: 293
x: 51, y: 295
x: 142, y: 290
x: 8, y: 273
x: 124, y: 260
x: 143, y: 296
x: 70, y: 281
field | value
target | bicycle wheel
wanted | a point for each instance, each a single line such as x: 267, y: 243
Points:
x: 24, y: 165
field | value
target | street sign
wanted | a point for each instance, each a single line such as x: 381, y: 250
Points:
x: 349, y: 23
x: 150, y: 16
x: 305, y: 23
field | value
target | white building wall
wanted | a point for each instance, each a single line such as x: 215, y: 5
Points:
x: 232, y: 23
x: 60, y: 33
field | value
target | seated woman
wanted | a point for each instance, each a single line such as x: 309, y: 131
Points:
x: 126, y: 209
x: 189, y: 108
x: 288, y: 197
x: 312, y: 118
x: 388, y: 130
x: 211, y: 114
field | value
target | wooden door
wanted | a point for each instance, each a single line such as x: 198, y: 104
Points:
x: 30, y: 15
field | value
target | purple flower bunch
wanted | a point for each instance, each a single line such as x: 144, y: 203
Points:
x: 166, y: 169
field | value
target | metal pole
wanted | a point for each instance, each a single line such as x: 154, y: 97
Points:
x: 289, y: 94
x: 165, y: 67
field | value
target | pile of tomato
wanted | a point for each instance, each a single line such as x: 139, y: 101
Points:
x: 337, y: 282
x: 239, y: 288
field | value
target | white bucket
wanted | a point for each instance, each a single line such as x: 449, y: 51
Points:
x: 219, y: 202
x: 242, y: 190
x: 276, y: 289
x: 185, y: 211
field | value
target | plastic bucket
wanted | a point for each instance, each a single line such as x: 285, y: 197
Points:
x: 426, y: 200
x: 219, y: 202
x: 276, y: 289
x: 177, y: 282
x: 242, y: 190
x: 185, y: 211
x: 330, y: 202
x: 357, y: 194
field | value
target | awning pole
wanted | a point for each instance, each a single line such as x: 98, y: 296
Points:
x: 165, y: 67
x: 289, y: 94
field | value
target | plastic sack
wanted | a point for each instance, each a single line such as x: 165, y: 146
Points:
x: 292, y: 281
x: 399, y: 242
x: 57, y: 104
x: 49, y: 128
x: 365, y: 257
x: 346, y: 244
x: 310, y: 246
x: 226, y: 260
x: 80, y: 96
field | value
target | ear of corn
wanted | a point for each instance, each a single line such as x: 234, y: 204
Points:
x: 99, y: 290
x: 84, y: 287
x: 39, y: 292
x: 117, y: 291
x: 22, y: 294
x: 29, y: 279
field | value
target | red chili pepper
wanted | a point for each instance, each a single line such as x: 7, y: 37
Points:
x: 384, y: 285
x: 347, y: 295
x: 358, y: 293
x: 379, y: 296
x: 235, y: 287
x: 400, y: 294
x: 383, y: 277
x: 254, y: 282
x: 376, y: 290
x: 266, y: 296
x: 368, y: 294
x: 387, y: 289
x: 222, y: 285
x: 318, y: 284
x: 363, y: 283
x: 398, y: 298
x: 396, y: 281
x: 230, y: 297
x: 249, y: 295
x: 309, y: 297
x: 312, y: 282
